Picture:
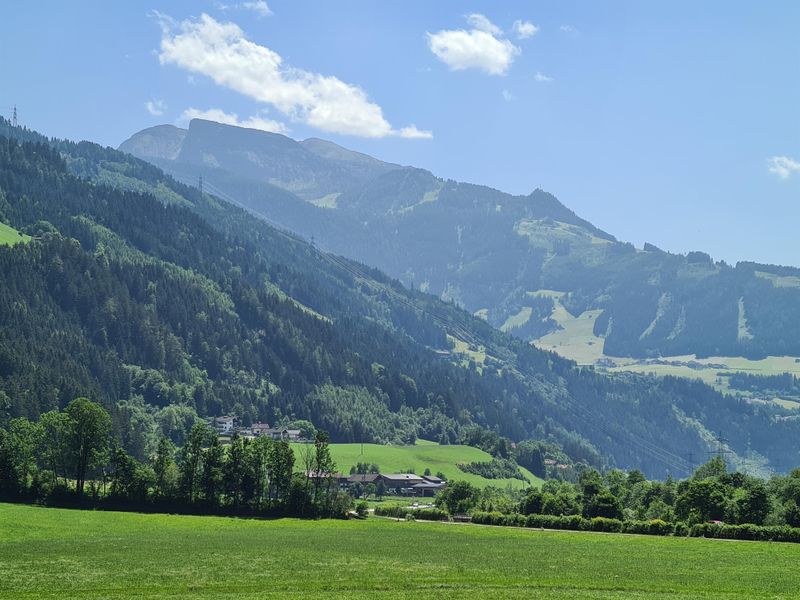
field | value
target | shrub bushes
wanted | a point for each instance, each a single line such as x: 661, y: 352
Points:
x: 778, y: 533
x: 605, y: 524
x: 571, y: 522
x: 497, y: 518
x: 775, y: 533
x: 399, y: 511
x: 651, y: 527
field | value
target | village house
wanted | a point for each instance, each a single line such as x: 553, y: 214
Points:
x: 259, y: 429
x: 224, y: 425
x: 283, y: 433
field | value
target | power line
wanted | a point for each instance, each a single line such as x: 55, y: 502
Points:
x: 722, y: 447
x: 690, y: 460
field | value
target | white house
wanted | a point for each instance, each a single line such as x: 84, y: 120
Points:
x: 224, y: 424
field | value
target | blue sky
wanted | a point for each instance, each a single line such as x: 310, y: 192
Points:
x: 655, y: 121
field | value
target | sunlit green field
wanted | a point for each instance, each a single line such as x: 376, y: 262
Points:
x: 9, y: 235
x: 422, y: 455
x: 576, y: 340
x: 53, y: 553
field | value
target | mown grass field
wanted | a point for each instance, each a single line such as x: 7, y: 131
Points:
x: 9, y: 235
x: 422, y: 455
x: 576, y: 340
x: 53, y: 553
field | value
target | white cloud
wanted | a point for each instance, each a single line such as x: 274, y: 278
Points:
x: 155, y: 107
x: 783, y: 166
x: 525, y: 29
x: 482, y: 23
x: 220, y: 116
x: 222, y: 52
x: 411, y: 132
x: 568, y: 29
x: 478, y: 48
x: 260, y: 8
x: 542, y: 78
x: 508, y: 96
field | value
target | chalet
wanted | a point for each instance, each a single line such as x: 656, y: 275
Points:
x: 292, y: 435
x: 259, y: 429
x: 283, y: 433
x: 224, y: 425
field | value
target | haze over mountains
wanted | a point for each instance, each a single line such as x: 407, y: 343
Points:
x: 169, y: 305
x: 516, y: 261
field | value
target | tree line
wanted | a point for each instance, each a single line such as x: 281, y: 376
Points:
x: 711, y: 494
x: 70, y: 457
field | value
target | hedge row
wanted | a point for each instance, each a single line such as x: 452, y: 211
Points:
x: 774, y: 533
x: 570, y: 522
x: 399, y: 511
x: 652, y: 527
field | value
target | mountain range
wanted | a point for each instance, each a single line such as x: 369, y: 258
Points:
x: 168, y: 303
x: 516, y: 261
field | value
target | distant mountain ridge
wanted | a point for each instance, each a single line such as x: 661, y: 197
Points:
x: 310, y: 169
x: 496, y: 254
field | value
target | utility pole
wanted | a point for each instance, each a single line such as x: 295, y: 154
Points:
x: 14, y: 117
x: 200, y: 185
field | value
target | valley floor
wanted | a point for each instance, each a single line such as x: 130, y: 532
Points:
x: 53, y: 553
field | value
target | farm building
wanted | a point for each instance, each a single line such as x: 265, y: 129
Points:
x: 410, y: 484
x: 363, y: 478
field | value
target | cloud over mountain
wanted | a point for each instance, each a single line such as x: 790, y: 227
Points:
x: 223, y: 52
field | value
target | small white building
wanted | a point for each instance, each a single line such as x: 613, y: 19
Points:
x: 224, y: 424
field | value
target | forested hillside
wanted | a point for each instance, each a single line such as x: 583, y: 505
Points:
x: 489, y: 251
x: 167, y: 305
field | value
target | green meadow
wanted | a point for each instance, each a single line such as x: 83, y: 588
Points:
x: 422, y: 455
x: 576, y: 341
x: 10, y: 236
x: 54, y: 553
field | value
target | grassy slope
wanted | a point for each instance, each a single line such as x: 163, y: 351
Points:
x: 9, y: 235
x: 84, y: 554
x: 393, y: 459
x: 576, y: 341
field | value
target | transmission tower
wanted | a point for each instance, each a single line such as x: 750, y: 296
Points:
x: 722, y: 449
x: 14, y: 117
x: 200, y: 185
